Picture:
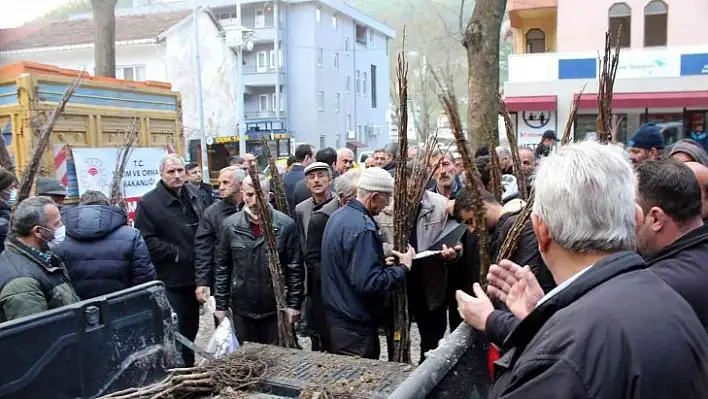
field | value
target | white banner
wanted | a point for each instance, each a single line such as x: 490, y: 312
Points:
x: 95, y: 168
x: 532, y: 124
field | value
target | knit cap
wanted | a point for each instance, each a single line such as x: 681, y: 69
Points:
x: 375, y: 179
x: 692, y: 149
x: 7, y: 178
x: 647, y: 137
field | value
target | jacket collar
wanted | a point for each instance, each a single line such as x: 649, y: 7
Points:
x: 297, y: 167
x: 47, y: 259
x: 356, y: 204
x: 168, y: 196
x: 692, y: 238
x: 604, y: 270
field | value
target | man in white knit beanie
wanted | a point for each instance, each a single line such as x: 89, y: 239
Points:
x: 355, y: 276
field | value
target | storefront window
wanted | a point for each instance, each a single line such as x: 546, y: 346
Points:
x: 586, y: 128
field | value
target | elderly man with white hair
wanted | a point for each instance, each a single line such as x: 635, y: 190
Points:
x: 243, y: 282
x: 355, y: 276
x: 168, y: 217
x: 345, y: 160
x: 611, y: 329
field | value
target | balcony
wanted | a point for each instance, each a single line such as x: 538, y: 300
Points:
x: 254, y: 76
x: 633, y: 64
x: 264, y: 115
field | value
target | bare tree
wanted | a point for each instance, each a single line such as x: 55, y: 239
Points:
x: 481, y: 40
x: 104, y: 22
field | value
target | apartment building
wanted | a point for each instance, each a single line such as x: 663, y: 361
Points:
x: 662, y: 75
x: 318, y: 69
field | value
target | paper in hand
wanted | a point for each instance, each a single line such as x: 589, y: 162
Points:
x: 426, y: 254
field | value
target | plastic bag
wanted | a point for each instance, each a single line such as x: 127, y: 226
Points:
x: 224, y: 341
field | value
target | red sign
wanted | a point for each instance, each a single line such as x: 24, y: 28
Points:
x: 131, y: 204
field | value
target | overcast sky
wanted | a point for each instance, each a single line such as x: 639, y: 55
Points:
x: 22, y: 11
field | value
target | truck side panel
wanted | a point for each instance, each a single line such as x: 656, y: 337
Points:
x: 98, y: 115
x: 90, y: 348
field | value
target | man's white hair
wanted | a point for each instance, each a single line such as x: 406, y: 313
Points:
x: 585, y: 193
x: 345, y: 185
x: 170, y: 158
x: 265, y: 184
x: 343, y: 151
x: 503, y: 152
x: 236, y: 173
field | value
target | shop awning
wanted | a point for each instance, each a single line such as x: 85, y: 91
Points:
x: 356, y: 144
x: 531, y: 103
x: 671, y: 99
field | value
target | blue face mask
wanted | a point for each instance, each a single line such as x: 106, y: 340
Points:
x: 13, y: 197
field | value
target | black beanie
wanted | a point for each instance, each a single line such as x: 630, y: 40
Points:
x: 7, y: 178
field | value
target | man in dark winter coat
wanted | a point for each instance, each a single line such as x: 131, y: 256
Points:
x: 600, y: 332
x: 168, y: 217
x: 304, y: 155
x: 547, y: 141
x: 355, y: 276
x: 210, y: 226
x: 33, y: 279
x: 318, y: 176
x: 195, y: 178
x: 101, y: 252
x: 243, y: 279
x: 8, y: 197
x: 346, y: 191
x: 672, y: 237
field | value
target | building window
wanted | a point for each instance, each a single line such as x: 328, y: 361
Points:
x: 335, y: 21
x: 655, y: 23
x: 259, y: 18
x: 261, y: 61
x: 620, y: 23
x: 263, y: 106
x: 361, y: 34
x: 318, y: 15
x: 320, y: 101
x: 358, y: 82
x: 280, y: 58
x: 320, y: 57
x: 135, y: 72
x: 348, y: 84
x: 371, y: 37
x: 271, y: 63
x: 347, y: 44
x: 535, y: 41
x: 373, y: 86
x: 363, y: 83
x: 336, y: 61
x: 336, y: 102
x: 227, y: 17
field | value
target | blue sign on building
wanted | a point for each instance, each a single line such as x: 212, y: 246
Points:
x: 694, y: 64
x: 581, y: 68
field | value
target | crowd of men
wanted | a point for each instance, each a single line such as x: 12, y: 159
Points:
x: 603, y: 296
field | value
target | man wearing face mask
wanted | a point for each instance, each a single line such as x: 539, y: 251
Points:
x: 8, y: 197
x: 33, y: 279
x: 52, y: 188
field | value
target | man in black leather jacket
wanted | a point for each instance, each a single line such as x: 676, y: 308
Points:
x: 243, y: 279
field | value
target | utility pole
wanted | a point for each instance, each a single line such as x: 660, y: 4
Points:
x: 240, y: 103
x: 276, y: 50
x: 200, y: 99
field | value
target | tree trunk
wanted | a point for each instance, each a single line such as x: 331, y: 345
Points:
x: 104, y: 21
x: 481, y: 40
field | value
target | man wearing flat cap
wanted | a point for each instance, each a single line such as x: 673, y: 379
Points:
x: 318, y: 179
x: 646, y: 143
